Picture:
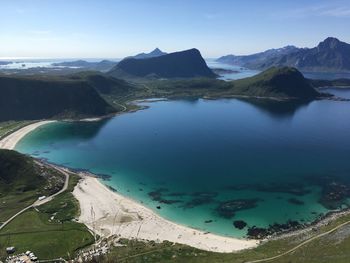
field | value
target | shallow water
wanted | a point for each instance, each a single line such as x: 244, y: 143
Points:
x: 189, y: 157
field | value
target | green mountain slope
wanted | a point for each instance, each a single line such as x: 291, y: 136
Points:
x: 276, y: 82
x: 35, y: 98
x: 18, y: 172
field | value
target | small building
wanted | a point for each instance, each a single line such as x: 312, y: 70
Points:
x: 10, y: 250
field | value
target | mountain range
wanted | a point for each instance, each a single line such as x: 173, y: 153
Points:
x: 183, y: 64
x: 330, y: 55
x: 155, y: 53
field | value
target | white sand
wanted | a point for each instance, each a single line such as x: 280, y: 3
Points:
x: 108, y: 213
x: 11, y: 140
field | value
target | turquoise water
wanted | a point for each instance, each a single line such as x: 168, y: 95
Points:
x: 189, y: 157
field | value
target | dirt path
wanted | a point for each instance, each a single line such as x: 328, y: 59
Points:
x: 300, y: 245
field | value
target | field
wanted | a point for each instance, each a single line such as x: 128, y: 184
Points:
x: 49, y: 231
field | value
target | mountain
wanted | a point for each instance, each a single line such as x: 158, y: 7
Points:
x: 183, y: 64
x: 278, y: 83
x: 38, y: 98
x: 155, y: 53
x: 3, y: 63
x: 255, y: 61
x: 330, y: 55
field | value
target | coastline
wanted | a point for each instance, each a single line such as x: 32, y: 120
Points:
x: 10, y: 141
x: 109, y: 213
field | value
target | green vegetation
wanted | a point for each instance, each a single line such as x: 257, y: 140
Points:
x: 48, y: 239
x: 64, y: 207
x: 25, y: 98
x: 49, y: 231
x: 330, y: 248
x: 11, y: 126
x: 94, y: 94
x: 22, y: 181
x: 276, y: 82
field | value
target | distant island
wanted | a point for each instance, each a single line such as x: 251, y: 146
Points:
x: 183, y: 64
x: 103, y: 65
x: 331, y: 55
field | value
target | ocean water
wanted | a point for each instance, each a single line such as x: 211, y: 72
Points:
x: 191, y: 161
x: 239, y: 72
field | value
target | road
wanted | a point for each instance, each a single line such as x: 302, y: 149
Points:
x: 44, y: 201
x: 300, y: 245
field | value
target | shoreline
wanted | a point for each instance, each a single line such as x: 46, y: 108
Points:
x: 109, y: 213
x: 9, y: 142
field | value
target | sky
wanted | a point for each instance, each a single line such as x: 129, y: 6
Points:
x: 118, y: 28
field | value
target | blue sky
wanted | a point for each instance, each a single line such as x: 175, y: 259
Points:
x: 117, y: 28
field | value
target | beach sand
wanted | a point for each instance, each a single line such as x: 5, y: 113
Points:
x: 108, y: 213
x: 10, y: 141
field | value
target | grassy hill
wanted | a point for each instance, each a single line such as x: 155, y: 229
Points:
x: 184, y: 64
x: 51, y: 226
x: 22, y: 181
x: 37, y: 98
x: 275, y: 82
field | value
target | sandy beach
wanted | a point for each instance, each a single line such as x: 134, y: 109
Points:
x: 108, y: 213
x: 10, y: 141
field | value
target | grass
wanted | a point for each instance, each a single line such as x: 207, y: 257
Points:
x: 64, y: 207
x: 22, y: 181
x: 49, y: 231
x: 33, y: 231
x: 330, y: 248
x: 11, y: 126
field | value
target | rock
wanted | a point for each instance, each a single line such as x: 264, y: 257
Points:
x: 240, y: 224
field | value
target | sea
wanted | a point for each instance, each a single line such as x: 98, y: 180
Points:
x: 209, y: 164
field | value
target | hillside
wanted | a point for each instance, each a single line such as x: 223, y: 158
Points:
x: 184, y: 64
x: 18, y: 173
x: 276, y: 82
x: 22, y: 181
x: 34, y: 98
x: 330, y: 55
